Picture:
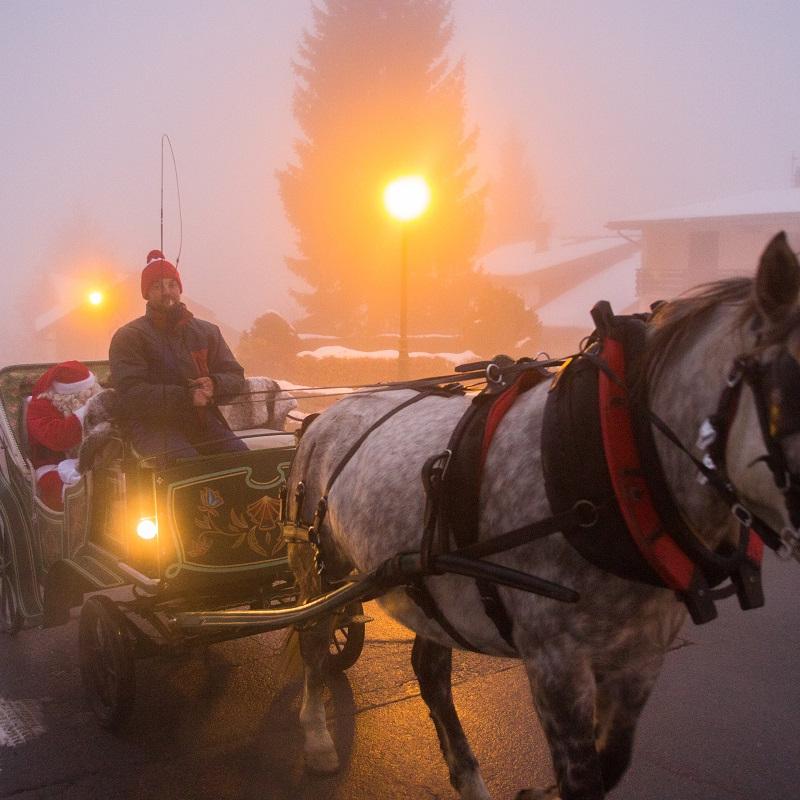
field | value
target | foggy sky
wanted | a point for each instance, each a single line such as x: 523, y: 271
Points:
x: 627, y: 107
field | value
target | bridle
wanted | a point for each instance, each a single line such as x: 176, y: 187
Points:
x: 775, y: 386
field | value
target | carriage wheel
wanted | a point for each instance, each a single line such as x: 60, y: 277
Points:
x: 107, y: 663
x: 347, y: 640
x: 10, y: 613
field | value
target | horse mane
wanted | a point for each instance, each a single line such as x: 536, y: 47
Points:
x: 679, y: 320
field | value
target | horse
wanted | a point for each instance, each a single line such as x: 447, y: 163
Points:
x: 592, y: 663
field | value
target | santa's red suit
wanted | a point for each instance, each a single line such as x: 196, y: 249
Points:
x: 55, y: 427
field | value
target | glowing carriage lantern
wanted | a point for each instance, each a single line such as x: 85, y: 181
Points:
x: 405, y: 198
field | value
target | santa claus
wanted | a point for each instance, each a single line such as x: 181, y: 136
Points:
x: 55, y: 427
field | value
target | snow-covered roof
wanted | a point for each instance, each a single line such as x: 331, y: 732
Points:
x: 617, y: 284
x: 763, y: 203
x: 521, y: 258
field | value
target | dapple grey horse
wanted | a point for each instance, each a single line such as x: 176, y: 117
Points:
x: 591, y: 664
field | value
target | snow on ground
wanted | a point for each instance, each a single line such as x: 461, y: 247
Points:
x: 336, y: 351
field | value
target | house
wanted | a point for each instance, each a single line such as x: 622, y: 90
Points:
x: 76, y: 328
x: 563, y: 282
x: 647, y: 258
x: 693, y: 244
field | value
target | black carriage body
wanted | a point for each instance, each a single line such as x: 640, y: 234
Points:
x: 216, y: 518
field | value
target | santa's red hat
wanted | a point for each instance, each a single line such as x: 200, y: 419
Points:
x: 156, y: 269
x: 65, y: 378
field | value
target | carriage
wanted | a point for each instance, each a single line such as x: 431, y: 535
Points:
x: 138, y: 543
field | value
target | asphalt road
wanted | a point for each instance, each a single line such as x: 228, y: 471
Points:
x: 222, y: 723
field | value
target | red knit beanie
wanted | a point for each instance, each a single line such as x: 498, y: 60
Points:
x: 156, y: 269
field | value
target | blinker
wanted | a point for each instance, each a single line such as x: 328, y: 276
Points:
x: 783, y: 381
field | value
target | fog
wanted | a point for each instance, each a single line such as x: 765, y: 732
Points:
x: 626, y: 107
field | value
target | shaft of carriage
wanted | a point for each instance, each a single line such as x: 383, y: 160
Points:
x: 399, y: 570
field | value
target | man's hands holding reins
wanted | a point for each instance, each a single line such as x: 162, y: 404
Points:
x: 203, y: 391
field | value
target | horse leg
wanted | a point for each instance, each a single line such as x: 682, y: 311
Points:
x: 318, y: 748
x: 314, y: 640
x: 564, y: 695
x: 619, y: 703
x: 433, y: 664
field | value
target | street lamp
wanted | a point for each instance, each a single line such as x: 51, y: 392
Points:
x: 405, y: 198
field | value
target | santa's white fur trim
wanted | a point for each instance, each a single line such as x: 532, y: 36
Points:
x: 71, y: 388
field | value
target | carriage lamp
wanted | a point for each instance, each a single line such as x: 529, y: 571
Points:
x: 147, y: 528
x: 95, y: 298
x: 405, y: 198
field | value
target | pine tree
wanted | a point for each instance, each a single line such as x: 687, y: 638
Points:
x: 376, y: 97
x: 516, y: 209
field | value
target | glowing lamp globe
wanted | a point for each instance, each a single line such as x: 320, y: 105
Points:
x: 407, y: 197
x: 147, y: 528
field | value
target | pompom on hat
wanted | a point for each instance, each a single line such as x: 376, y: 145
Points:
x: 156, y: 269
x: 68, y: 377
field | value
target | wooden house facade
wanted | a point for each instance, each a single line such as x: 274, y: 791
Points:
x: 694, y: 244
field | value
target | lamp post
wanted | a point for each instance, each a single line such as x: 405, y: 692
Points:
x: 405, y: 198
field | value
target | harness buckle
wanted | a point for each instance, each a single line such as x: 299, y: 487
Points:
x: 588, y: 513
x: 443, y: 462
x: 494, y: 375
x: 742, y: 514
x: 790, y: 545
x: 734, y: 377
x: 706, y: 435
x: 783, y: 484
x: 433, y: 472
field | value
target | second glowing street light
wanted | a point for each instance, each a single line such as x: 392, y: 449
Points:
x: 405, y: 198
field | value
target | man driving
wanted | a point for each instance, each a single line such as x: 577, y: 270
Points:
x: 170, y: 368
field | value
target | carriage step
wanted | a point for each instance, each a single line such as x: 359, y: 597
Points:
x: 353, y: 619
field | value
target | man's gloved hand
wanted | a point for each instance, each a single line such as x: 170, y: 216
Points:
x: 203, y: 391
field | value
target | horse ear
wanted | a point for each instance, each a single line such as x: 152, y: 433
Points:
x: 778, y: 279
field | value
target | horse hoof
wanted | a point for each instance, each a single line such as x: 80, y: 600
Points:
x: 539, y: 794
x: 322, y: 762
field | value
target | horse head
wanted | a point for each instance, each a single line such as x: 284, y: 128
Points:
x: 762, y: 456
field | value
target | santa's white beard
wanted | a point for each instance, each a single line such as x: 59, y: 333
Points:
x: 67, y: 403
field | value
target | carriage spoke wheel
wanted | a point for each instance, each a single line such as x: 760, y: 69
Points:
x: 107, y: 661
x: 10, y: 613
x: 347, y: 640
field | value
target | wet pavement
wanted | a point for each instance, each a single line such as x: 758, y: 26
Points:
x: 222, y: 723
